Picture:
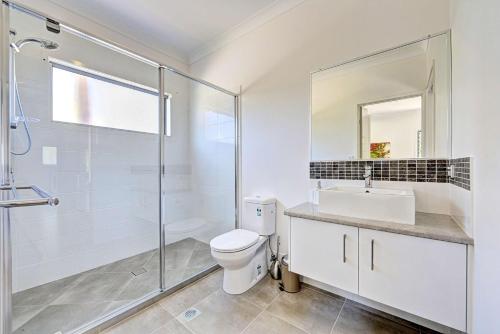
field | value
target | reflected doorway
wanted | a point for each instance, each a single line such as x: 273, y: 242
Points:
x: 391, y: 129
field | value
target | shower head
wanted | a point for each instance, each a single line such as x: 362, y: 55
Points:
x: 44, y: 43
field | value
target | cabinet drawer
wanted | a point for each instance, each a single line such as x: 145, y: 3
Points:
x: 420, y: 276
x: 325, y: 252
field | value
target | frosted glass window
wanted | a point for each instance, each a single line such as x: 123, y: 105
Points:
x: 88, y: 99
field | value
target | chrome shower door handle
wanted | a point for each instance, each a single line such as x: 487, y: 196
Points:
x: 344, y: 259
x: 372, y: 266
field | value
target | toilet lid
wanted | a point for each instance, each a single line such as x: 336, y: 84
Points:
x: 234, y: 241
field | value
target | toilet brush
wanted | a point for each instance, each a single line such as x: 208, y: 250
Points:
x: 274, y: 269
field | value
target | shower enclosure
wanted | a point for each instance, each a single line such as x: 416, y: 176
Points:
x: 116, y: 173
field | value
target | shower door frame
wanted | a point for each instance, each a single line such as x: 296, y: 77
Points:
x: 5, y: 233
x: 5, y: 237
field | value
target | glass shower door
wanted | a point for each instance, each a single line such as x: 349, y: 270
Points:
x: 87, y: 132
x: 200, y: 187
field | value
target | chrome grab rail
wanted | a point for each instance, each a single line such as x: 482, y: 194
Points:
x: 44, y: 198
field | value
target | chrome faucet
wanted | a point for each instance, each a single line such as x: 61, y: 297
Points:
x: 368, y: 176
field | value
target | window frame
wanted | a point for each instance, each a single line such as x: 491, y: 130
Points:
x: 87, y: 72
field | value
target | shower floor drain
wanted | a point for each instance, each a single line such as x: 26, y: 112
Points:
x: 191, y: 313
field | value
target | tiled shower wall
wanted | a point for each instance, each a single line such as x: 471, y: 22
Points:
x: 406, y: 170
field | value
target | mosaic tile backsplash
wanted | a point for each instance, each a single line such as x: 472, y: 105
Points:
x: 462, y: 173
x: 407, y: 170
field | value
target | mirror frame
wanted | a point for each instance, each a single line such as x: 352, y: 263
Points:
x: 446, y: 33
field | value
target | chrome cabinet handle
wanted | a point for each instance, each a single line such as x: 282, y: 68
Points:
x: 343, y: 249
x: 372, y: 266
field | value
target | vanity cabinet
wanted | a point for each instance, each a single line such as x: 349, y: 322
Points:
x: 421, y: 276
x: 325, y: 252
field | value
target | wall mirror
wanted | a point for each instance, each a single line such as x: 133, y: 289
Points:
x: 393, y: 104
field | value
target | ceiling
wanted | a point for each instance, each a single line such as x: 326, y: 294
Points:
x: 177, y: 28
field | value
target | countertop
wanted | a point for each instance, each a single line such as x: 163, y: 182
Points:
x: 427, y: 225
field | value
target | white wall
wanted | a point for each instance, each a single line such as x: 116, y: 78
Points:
x: 476, y: 73
x: 273, y: 62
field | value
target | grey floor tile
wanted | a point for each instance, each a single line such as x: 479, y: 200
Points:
x: 95, y: 288
x: 353, y: 320
x: 22, y: 314
x: 192, y: 294
x: 201, y: 259
x: 382, y: 314
x: 177, y: 258
x: 263, y: 293
x: 139, y: 286
x: 110, y: 287
x: 202, y: 246
x: 153, y: 263
x: 184, y: 244
x: 269, y: 324
x: 144, y: 322
x: 190, y: 272
x: 172, y: 327
x: 262, y: 309
x: 62, y: 318
x: 43, y: 294
x: 174, y: 276
x: 221, y: 314
x: 178, y: 254
x: 112, y: 306
x: 308, y: 310
x: 127, y: 265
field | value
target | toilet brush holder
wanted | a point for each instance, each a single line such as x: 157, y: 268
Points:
x: 275, y: 268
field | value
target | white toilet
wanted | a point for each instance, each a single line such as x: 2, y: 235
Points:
x: 242, y: 252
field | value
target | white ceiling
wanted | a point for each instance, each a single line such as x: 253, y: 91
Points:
x: 182, y: 28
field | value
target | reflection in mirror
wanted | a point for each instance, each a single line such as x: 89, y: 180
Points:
x: 392, y: 129
x: 391, y: 105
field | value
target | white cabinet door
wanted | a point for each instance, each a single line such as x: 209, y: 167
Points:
x: 325, y: 252
x: 420, y: 276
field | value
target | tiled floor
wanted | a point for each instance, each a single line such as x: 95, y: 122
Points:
x: 262, y: 309
x: 71, y: 302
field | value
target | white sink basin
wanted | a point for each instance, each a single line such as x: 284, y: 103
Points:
x: 391, y: 205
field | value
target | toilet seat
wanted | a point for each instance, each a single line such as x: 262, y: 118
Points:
x: 234, y: 241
